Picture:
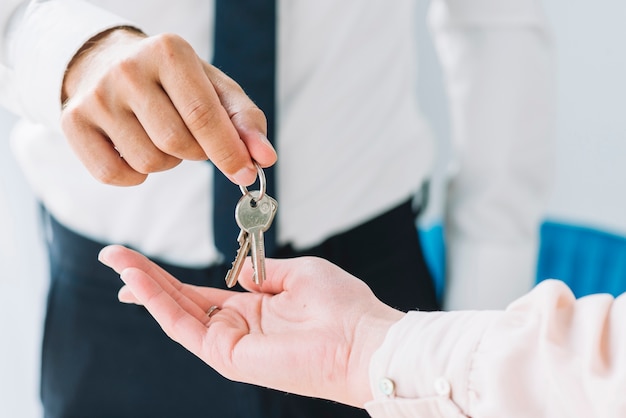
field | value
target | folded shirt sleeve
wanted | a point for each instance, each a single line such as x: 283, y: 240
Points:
x: 546, y: 355
x: 38, y: 43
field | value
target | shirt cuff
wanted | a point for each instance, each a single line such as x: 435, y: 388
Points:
x: 49, y: 36
x: 423, y: 364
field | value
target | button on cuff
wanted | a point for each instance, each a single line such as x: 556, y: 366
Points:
x: 387, y: 387
x: 442, y: 387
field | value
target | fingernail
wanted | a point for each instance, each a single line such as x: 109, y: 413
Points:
x: 243, y: 176
x: 103, y: 255
x: 125, y: 295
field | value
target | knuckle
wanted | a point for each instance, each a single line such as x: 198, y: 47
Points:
x: 115, y: 172
x: 256, y: 113
x: 195, y: 154
x: 200, y: 116
x: 226, y: 159
x: 169, y: 45
x: 126, y: 69
x: 169, y: 141
x: 99, y: 97
x: 126, y: 76
x: 243, y: 118
x: 155, y: 164
x: 179, y: 144
x: 107, y: 174
x: 147, y: 166
x: 71, y: 118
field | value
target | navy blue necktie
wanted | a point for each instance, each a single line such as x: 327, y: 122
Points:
x: 245, y: 49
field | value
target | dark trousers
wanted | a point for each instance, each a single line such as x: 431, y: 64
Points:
x: 102, y: 358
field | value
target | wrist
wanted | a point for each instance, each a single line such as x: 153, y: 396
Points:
x: 369, y: 336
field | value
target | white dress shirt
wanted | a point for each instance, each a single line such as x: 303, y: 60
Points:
x: 350, y: 133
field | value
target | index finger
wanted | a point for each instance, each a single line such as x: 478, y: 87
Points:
x: 120, y: 258
x: 248, y: 119
x: 178, y: 321
x: 198, y: 104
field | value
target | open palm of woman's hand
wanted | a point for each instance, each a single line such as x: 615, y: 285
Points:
x: 309, y: 329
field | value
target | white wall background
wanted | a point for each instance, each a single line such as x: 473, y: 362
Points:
x: 589, y: 189
x: 22, y: 288
x: 591, y: 165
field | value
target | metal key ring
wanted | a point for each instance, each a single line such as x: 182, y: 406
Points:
x: 262, y: 184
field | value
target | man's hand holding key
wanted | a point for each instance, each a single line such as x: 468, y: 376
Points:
x: 154, y: 102
x: 254, y: 214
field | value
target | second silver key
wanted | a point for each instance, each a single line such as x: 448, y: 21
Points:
x: 255, y: 216
x: 242, y: 253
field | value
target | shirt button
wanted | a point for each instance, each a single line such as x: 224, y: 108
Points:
x: 442, y: 387
x: 387, y: 386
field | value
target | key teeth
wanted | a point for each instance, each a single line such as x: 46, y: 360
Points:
x: 231, y: 279
x: 255, y: 276
x: 233, y: 273
x: 230, y: 274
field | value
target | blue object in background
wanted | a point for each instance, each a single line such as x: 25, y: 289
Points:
x: 589, y: 260
x: 432, y: 240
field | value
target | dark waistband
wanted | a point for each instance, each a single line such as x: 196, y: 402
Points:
x: 367, y: 239
x: 78, y: 255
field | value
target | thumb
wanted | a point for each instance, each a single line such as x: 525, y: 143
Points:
x: 276, y: 274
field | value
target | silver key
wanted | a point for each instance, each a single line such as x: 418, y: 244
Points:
x: 254, y: 216
x: 244, y: 248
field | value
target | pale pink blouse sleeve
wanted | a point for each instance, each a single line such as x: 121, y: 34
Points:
x: 546, y: 355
